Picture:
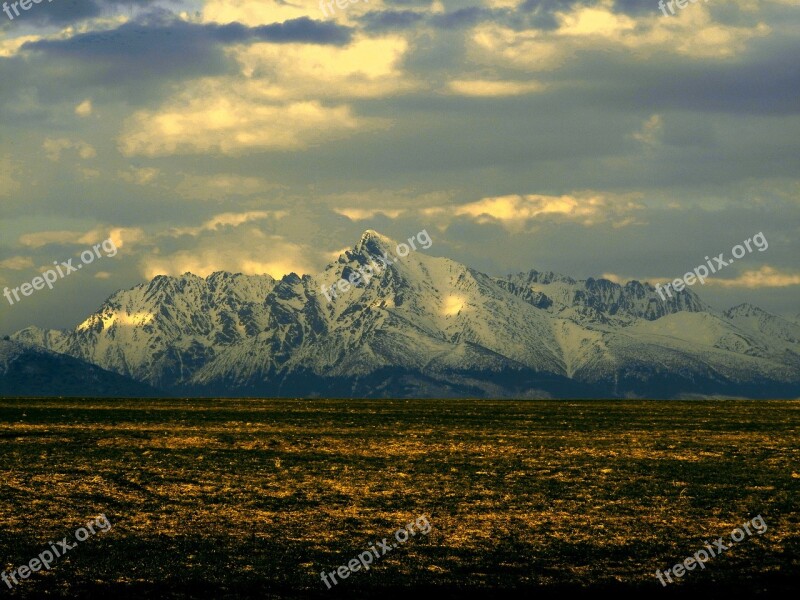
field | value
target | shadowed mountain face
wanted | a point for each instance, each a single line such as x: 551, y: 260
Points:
x: 429, y: 327
x: 30, y: 371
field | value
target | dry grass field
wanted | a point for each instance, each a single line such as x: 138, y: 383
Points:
x: 254, y: 498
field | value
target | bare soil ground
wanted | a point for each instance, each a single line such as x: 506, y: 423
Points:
x: 254, y: 498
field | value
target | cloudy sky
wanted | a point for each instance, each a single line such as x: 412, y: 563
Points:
x: 587, y: 137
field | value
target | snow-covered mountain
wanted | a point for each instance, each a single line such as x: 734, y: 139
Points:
x: 429, y: 327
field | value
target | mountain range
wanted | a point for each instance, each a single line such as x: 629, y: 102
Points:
x: 422, y: 327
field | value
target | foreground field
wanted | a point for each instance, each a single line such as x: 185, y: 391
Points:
x: 253, y: 499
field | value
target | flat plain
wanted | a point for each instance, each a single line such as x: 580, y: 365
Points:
x: 254, y: 498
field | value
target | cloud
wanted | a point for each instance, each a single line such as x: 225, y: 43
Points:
x: 84, y: 109
x: 282, y: 98
x: 259, y: 12
x: 44, y: 238
x: 365, y: 68
x: 11, y: 46
x: 651, y: 130
x: 530, y: 50
x: 139, y: 176
x: 121, y: 236
x: 54, y: 147
x: 363, y: 214
x: 16, y: 263
x: 209, y: 119
x: 589, y: 209
x: 227, y: 220
x: 595, y: 21
x: 583, y: 29
x: 159, y: 32
x: 494, y: 89
x: 764, y: 277
x: 62, y: 12
x: 250, y: 252
x: 8, y: 184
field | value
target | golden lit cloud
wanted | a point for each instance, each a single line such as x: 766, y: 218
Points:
x: 265, y: 12
x: 16, y: 263
x: 119, y: 236
x: 691, y: 34
x: 260, y: 254
x: 11, y: 46
x: 494, y: 89
x: 765, y: 277
x: 209, y: 118
x: 502, y: 46
x: 228, y: 220
x: 363, y: 214
x: 43, y: 238
x: 84, y: 109
x: 515, y: 210
x: 595, y: 20
x: 365, y: 68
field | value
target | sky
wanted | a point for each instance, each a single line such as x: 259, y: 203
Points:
x: 594, y: 138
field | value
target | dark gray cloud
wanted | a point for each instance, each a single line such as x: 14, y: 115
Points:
x: 160, y: 35
x: 392, y: 20
x: 65, y: 12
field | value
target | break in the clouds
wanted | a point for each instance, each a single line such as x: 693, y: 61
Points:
x: 589, y: 137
